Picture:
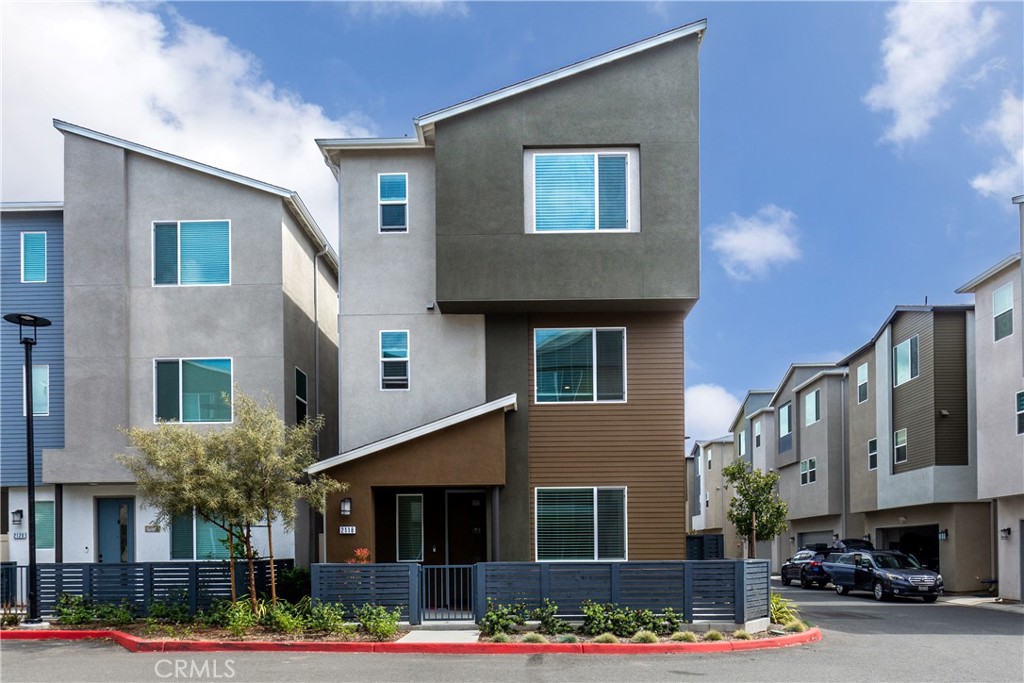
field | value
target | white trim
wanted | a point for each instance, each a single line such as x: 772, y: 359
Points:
x: 910, y: 359
x: 46, y: 255
x: 505, y: 403
x: 305, y: 401
x: 391, y: 202
x: 594, y: 489
x: 870, y: 468
x: 835, y: 372
x: 895, y: 446
x: 181, y: 407
x: 817, y: 407
x: 24, y: 392
x: 593, y: 360
x: 326, y: 144
x: 826, y: 367
x: 866, y: 382
x: 1017, y: 413
x: 991, y: 272
x: 31, y: 206
x: 408, y: 360
x: 398, y: 528
x: 178, y: 222
x: 757, y: 432
x: 996, y: 314
x: 789, y: 418
x: 743, y: 443
x: 807, y: 469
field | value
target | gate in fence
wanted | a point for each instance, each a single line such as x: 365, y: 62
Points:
x: 447, y: 593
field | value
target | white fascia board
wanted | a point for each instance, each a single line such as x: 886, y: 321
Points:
x: 825, y: 373
x: 973, y: 284
x: 31, y: 206
x: 505, y: 403
x: 789, y: 373
x: 327, y: 144
x: 427, y: 120
x: 766, y: 409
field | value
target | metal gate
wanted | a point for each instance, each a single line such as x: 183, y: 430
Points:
x: 446, y: 592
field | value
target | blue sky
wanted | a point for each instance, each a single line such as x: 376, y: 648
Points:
x: 854, y: 156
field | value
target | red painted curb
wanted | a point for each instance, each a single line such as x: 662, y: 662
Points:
x: 136, y: 644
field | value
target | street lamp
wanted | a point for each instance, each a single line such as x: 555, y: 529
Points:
x: 23, y: 320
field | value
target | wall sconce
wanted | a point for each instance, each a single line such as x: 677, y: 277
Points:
x: 17, y: 516
x: 346, y: 506
x: 901, y: 519
x: 944, y: 534
x: 1004, y: 534
x: 792, y: 539
x: 867, y: 537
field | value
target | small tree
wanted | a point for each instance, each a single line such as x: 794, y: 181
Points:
x: 756, y: 510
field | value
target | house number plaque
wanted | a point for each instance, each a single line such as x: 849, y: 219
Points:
x: 346, y: 530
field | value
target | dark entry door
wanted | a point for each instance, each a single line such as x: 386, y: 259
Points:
x: 466, y: 527
x: 115, y: 526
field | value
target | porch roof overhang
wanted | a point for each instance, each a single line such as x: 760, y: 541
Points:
x: 505, y: 404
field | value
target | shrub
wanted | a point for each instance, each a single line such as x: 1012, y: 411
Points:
x: 501, y: 638
x: 568, y: 638
x: 239, y: 618
x: 378, y: 621
x: 644, y: 637
x: 624, y: 622
x: 670, y: 622
x: 534, y: 638
x: 607, y: 638
x: 742, y: 634
x: 795, y: 626
x: 174, y: 610
x: 782, y: 611
x: 328, y: 618
x: 359, y: 556
x: 293, y: 584
x: 73, y: 609
x: 112, y: 614
x: 684, y: 637
x: 216, y: 615
x: 9, y: 618
x: 501, y: 618
x: 282, y: 617
x: 549, y: 623
x: 712, y: 634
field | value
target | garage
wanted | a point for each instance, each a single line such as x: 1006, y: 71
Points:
x: 920, y: 541
x: 808, y: 538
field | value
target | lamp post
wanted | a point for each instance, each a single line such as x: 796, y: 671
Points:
x: 23, y: 320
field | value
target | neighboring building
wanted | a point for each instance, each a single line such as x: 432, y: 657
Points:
x: 752, y: 429
x: 999, y: 395
x: 710, y: 515
x: 514, y: 284
x: 181, y: 283
x: 32, y: 271
x: 911, y: 430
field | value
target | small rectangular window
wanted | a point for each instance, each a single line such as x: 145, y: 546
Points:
x: 301, y: 401
x: 193, y: 537
x: 394, y: 360
x: 812, y: 407
x: 581, y: 523
x: 193, y: 390
x: 743, y: 442
x: 45, y: 525
x: 1020, y: 412
x: 862, y: 383
x: 593, y: 190
x: 580, y: 365
x: 785, y: 423
x: 410, y: 527
x: 33, y: 257
x: 808, y: 471
x: 393, y: 198
x: 905, y: 361
x: 1002, y: 311
x: 757, y: 434
x: 899, y: 446
x: 709, y: 460
x: 873, y: 454
x: 189, y: 253
x: 40, y: 391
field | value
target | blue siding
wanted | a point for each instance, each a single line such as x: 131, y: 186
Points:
x: 45, y: 299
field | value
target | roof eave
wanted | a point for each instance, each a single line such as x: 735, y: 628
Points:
x: 1002, y: 265
x: 32, y: 206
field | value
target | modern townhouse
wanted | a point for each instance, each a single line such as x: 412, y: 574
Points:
x: 999, y: 396
x: 515, y: 280
x: 711, y: 511
x: 911, y: 433
x: 32, y: 274
x: 752, y: 429
x: 181, y: 283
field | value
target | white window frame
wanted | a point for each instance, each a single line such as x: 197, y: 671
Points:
x: 896, y: 445
x: 786, y: 408
x: 181, y: 406
x: 299, y: 399
x: 864, y: 383
x: 398, y: 529
x: 382, y: 360
x: 757, y: 433
x: 872, y: 450
x: 996, y: 314
x: 1017, y: 399
x: 812, y: 405
x: 46, y: 256
x: 593, y: 366
x: 594, y: 490
x: 178, y: 222
x: 632, y: 188
x: 24, y: 390
x: 743, y: 443
x: 808, y: 471
x: 709, y: 459
x: 392, y: 202
x: 910, y: 356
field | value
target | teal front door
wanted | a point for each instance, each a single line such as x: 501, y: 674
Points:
x: 115, y: 527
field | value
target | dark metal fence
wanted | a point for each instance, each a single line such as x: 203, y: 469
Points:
x: 446, y: 592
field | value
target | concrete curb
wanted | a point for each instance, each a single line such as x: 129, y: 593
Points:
x: 135, y: 644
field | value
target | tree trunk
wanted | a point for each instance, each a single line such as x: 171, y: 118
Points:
x: 753, y: 535
x: 231, y: 564
x: 247, y: 537
x: 270, y: 550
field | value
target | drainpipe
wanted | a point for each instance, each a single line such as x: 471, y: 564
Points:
x: 843, y: 531
x: 1019, y: 201
x: 316, y: 341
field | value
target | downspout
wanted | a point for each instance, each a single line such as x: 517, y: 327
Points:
x: 1019, y: 201
x: 316, y: 341
x: 843, y: 531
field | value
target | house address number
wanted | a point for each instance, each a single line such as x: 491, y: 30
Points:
x: 346, y: 530
x: 20, y: 535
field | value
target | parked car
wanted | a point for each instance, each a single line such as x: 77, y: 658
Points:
x: 884, y: 573
x: 856, y: 544
x: 806, y: 567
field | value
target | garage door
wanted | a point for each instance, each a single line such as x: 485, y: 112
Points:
x: 812, y: 537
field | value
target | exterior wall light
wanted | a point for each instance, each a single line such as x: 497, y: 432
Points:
x: 944, y: 535
x: 17, y: 516
x: 1004, y: 534
x: 346, y: 506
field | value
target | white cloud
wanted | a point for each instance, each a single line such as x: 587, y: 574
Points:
x: 749, y: 247
x: 1006, y: 126
x: 417, y: 8
x: 158, y: 80
x: 928, y: 44
x: 709, y: 412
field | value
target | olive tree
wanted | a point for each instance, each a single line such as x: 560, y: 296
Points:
x: 756, y: 510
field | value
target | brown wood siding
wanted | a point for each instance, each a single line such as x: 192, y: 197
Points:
x: 951, y: 388
x: 638, y: 444
x: 913, y: 402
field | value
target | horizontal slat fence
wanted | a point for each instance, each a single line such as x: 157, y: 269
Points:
x: 390, y: 585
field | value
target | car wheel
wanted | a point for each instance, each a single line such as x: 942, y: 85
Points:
x: 842, y: 590
x: 878, y: 591
x: 930, y: 598
x: 823, y: 584
x: 804, y: 583
x: 786, y: 580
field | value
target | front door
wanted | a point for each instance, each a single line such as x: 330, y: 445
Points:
x: 466, y: 513
x: 115, y: 530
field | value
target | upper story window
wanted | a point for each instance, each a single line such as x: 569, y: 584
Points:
x: 193, y: 390
x: 812, y: 407
x: 904, y: 361
x: 192, y: 253
x: 580, y: 365
x: 785, y: 420
x: 301, y: 398
x: 743, y: 442
x: 899, y: 446
x: 40, y: 391
x: 808, y: 471
x: 33, y: 257
x: 873, y: 454
x: 862, y: 383
x: 394, y: 360
x: 709, y: 459
x: 582, y: 190
x: 1002, y: 311
x: 581, y: 524
x: 1020, y: 412
x: 393, y: 199
x: 757, y: 434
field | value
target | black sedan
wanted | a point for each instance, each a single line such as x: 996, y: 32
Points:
x: 806, y: 568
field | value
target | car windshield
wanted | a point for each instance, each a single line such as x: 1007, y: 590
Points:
x: 896, y: 562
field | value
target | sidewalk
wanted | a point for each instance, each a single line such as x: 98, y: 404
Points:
x: 985, y: 603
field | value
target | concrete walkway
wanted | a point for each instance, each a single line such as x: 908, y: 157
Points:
x: 422, y: 635
x: 985, y: 603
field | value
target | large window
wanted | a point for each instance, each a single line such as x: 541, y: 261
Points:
x: 192, y: 253
x: 808, y: 471
x: 862, y: 383
x: 593, y: 190
x: 785, y: 420
x: 899, y: 446
x: 393, y: 198
x: 580, y: 365
x: 193, y: 390
x: 873, y: 454
x: 301, y: 399
x: 904, y: 361
x: 757, y: 434
x: 193, y: 537
x: 394, y: 360
x: 812, y: 407
x: 40, y: 391
x: 1002, y: 311
x: 33, y: 257
x: 409, y: 527
x: 45, y: 525
x: 1020, y: 412
x: 581, y: 524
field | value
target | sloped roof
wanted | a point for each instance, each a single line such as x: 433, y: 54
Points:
x: 973, y: 284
